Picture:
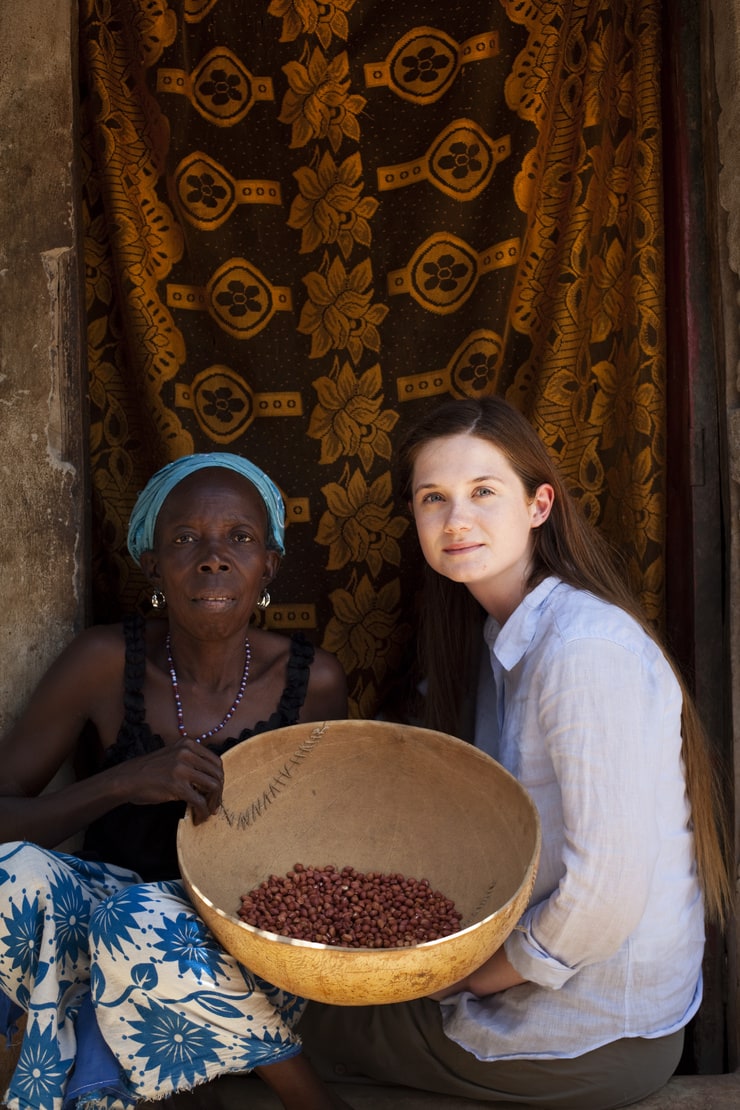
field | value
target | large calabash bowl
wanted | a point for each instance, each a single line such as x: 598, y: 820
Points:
x: 377, y: 797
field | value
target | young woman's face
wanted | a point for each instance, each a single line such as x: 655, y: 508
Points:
x: 209, y: 556
x: 474, y: 518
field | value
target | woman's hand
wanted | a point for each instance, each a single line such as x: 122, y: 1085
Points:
x: 186, y: 771
x: 496, y: 974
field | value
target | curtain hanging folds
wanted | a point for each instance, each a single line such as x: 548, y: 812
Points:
x: 306, y: 222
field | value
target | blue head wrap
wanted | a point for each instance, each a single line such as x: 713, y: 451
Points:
x: 152, y: 497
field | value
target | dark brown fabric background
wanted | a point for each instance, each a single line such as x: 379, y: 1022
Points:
x: 306, y: 222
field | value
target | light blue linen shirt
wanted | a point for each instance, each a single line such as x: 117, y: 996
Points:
x: 582, y: 707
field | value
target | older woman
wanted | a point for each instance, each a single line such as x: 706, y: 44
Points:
x: 163, y: 699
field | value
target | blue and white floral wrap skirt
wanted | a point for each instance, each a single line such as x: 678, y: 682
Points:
x: 128, y: 994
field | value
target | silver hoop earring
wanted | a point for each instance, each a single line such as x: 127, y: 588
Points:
x: 158, y: 599
x: 264, y: 599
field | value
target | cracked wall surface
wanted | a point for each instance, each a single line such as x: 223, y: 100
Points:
x: 42, y: 536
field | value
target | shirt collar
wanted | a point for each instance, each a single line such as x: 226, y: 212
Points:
x: 510, y: 641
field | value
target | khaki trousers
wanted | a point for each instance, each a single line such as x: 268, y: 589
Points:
x: 405, y: 1045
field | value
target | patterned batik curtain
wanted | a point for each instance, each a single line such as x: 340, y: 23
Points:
x: 307, y: 222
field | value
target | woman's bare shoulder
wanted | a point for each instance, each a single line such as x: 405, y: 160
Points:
x: 87, y: 670
x: 269, y: 649
x: 326, y: 697
x: 328, y: 665
x: 96, y: 647
x: 82, y: 683
x: 327, y: 689
x: 325, y: 667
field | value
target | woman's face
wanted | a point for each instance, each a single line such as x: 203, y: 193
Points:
x: 209, y: 555
x: 475, y: 520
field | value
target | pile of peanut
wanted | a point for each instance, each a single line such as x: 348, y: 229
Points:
x: 349, y: 908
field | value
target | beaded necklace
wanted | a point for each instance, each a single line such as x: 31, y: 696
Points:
x: 178, y: 703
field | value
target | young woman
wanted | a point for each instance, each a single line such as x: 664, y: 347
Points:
x: 585, y: 1003
x: 163, y: 698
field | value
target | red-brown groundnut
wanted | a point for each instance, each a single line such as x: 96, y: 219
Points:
x: 350, y: 909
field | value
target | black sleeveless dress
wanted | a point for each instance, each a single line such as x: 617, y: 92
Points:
x: 143, y: 837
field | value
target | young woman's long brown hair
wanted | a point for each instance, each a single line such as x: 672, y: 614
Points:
x: 567, y: 546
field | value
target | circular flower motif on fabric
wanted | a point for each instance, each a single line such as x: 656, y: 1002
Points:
x: 424, y: 64
x: 479, y: 372
x: 204, y: 190
x: 462, y: 160
x: 238, y: 298
x: 242, y: 300
x: 223, y: 403
x: 441, y: 274
x: 220, y: 87
x: 223, y: 89
x: 444, y: 273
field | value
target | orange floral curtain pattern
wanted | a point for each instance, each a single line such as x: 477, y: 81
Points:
x: 306, y: 222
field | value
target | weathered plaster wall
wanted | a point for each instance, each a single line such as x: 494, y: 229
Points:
x: 42, y: 544
x: 725, y: 41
